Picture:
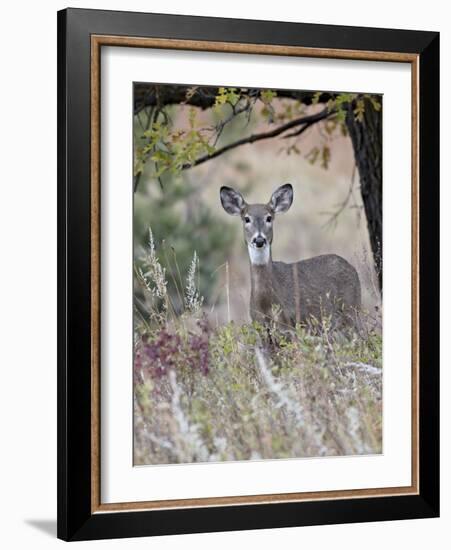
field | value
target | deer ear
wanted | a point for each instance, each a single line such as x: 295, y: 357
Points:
x: 282, y: 198
x: 232, y: 201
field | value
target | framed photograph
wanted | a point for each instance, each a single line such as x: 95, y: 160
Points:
x: 248, y: 274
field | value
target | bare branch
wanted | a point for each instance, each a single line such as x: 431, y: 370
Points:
x: 235, y: 112
x: 332, y: 221
x: 305, y: 122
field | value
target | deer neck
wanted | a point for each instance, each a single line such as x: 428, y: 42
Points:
x: 261, y: 268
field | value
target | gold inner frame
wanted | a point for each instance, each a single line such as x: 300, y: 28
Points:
x: 97, y: 41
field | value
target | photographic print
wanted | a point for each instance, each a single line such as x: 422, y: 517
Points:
x: 257, y: 267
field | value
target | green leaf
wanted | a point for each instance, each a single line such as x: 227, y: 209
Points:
x: 315, y: 97
x: 325, y: 157
x: 359, y: 110
x: 226, y: 95
x: 375, y: 102
x: 267, y: 96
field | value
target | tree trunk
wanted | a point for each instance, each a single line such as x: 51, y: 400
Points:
x: 366, y: 137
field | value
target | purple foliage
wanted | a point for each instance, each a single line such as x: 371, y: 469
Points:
x: 170, y: 351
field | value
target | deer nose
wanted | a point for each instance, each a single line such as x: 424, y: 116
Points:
x: 259, y: 241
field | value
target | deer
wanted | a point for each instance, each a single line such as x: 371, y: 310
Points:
x: 305, y: 292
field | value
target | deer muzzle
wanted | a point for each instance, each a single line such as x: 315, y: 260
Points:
x: 259, y: 241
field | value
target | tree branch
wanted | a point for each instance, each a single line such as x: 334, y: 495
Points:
x: 146, y: 94
x: 305, y: 122
x: 332, y: 221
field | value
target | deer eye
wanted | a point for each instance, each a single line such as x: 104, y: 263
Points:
x: 247, y: 219
x: 268, y: 219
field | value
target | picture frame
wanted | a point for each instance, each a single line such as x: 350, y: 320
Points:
x: 81, y: 36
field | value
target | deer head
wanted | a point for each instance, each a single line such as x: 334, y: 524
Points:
x: 257, y: 219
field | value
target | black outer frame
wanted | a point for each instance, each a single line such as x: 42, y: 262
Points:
x: 75, y: 520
